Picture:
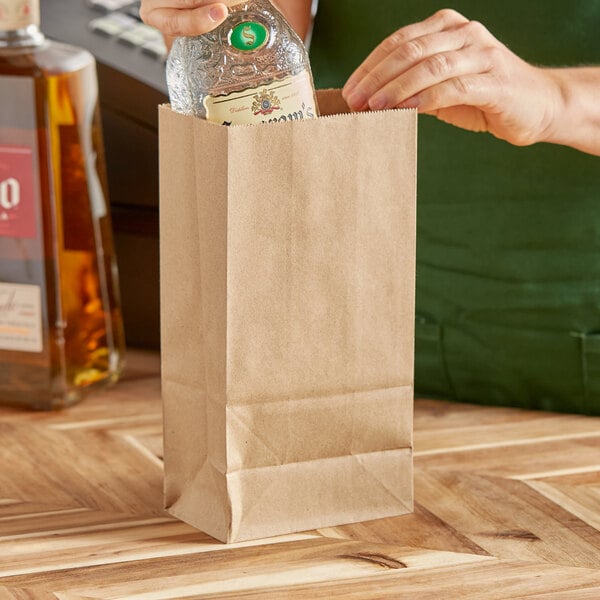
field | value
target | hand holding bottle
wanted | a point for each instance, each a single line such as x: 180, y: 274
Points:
x: 176, y: 18
x: 252, y: 69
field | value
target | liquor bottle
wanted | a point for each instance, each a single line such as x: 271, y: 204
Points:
x: 253, y: 68
x: 61, y: 332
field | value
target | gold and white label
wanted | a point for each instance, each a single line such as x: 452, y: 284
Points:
x: 291, y: 99
x: 20, y: 317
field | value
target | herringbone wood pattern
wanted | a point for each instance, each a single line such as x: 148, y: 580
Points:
x: 507, y: 506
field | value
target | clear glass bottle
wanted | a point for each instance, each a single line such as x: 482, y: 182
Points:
x: 253, y: 68
x: 61, y: 332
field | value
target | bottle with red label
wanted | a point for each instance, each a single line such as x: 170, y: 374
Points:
x: 61, y: 331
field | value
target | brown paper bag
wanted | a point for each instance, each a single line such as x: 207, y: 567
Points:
x: 287, y: 291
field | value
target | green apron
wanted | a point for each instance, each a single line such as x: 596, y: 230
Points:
x: 508, y: 242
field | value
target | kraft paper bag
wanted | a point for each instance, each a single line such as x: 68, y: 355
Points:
x: 287, y: 292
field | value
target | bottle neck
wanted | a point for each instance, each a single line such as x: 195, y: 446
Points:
x: 18, y: 38
x: 19, y: 23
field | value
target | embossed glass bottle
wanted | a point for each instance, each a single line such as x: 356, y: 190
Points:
x: 61, y: 332
x: 253, y: 68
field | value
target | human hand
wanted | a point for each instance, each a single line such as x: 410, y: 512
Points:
x: 457, y: 70
x: 175, y: 18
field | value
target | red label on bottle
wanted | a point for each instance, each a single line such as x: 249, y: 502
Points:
x: 17, y: 198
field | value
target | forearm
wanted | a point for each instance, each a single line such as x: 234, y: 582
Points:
x: 298, y: 13
x: 576, y: 119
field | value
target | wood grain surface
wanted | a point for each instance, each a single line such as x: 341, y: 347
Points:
x: 507, y: 506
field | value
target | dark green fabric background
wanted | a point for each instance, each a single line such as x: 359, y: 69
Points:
x: 508, y: 243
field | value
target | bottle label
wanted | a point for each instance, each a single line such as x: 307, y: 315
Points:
x: 19, y: 15
x: 20, y: 317
x: 290, y: 99
x: 17, y: 197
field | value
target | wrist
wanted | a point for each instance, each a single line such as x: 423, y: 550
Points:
x: 574, y: 109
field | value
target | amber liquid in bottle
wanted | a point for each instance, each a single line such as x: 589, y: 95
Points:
x: 61, y: 332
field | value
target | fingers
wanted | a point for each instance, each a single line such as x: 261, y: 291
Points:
x: 441, y: 20
x: 439, y: 73
x: 183, y: 17
x: 458, y: 71
x: 451, y: 48
x: 432, y: 51
x: 473, y: 90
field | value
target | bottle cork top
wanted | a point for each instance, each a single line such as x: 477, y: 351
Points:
x: 19, y: 14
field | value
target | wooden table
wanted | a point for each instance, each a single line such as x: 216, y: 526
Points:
x: 507, y: 506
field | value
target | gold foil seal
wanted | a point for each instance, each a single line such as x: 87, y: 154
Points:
x: 19, y: 14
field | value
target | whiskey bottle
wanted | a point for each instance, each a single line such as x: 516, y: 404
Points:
x: 61, y: 332
x: 253, y: 68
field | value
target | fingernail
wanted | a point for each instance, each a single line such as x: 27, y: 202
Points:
x: 412, y: 102
x: 356, y: 100
x: 217, y: 13
x: 348, y: 88
x: 378, y: 102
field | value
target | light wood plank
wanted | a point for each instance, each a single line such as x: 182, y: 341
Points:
x: 479, y: 581
x: 507, y: 506
x: 508, y: 518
